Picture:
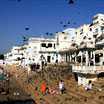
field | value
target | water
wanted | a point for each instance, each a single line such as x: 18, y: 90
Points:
x: 18, y: 102
x: 2, y: 77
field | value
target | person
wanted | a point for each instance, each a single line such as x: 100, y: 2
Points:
x: 43, y: 88
x: 61, y: 87
x: 89, y: 86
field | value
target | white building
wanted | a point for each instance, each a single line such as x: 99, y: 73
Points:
x: 15, y: 55
x: 47, y: 49
x: 81, y: 46
x: 38, y: 50
x: 91, y: 50
x: 64, y: 40
x: 41, y: 49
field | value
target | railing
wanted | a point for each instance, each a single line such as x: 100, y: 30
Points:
x: 47, y: 50
x: 88, y: 69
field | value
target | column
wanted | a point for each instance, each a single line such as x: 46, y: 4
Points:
x: 70, y: 58
x: 91, y: 53
x: 103, y: 60
x: 103, y: 56
x: 87, y: 58
x: 94, y: 59
x: 66, y: 57
x: 75, y: 58
x: 81, y: 57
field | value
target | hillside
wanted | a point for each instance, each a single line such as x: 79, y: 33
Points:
x: 52, y: 74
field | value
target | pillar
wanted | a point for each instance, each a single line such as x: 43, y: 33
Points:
x: 103, y: 56
x: 91, y: 54
x: 94, y: 59
x: 75, y: 58
x: 66, y: 57
x: 81, y: 57
x: 70, y: 58
x: 87, y: 58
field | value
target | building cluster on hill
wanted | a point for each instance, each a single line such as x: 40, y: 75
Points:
x: 82, y: 46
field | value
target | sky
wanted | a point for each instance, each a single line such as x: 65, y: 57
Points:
x: 40, y: 17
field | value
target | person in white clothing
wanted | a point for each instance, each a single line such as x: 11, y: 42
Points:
x: 61, y: 87
x: 89, y: 86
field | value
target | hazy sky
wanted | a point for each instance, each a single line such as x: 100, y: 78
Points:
x: 41, y: 16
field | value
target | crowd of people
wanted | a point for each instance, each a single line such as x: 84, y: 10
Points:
x: 45, y: 89
x: 60, y: 89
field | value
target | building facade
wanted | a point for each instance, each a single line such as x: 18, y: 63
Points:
x: 83, y: 47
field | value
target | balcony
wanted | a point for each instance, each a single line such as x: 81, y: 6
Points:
x: 87, y: 69
x: 45, y: 50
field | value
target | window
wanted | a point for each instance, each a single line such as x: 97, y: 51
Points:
x: 84, y: 37
x: 96, y: 30
x: 10, y: 55
x: 102, y: 19
x: 91, y: 42
x: 95, y: 18
x: 18, y: 58
x: 102, y: 28
x: 43, y: 45
x: 81, y: 31
x: 35, y: 47
x: 54, y: 46
x: 82, y: 43
x: 63, y: 32
x: 89, y: 38
x: 49, y: 44
x: 95, y: 22
x: 65, y: 37
x: 90, y: 29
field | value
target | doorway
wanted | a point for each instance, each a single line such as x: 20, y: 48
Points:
x: 48, y: 59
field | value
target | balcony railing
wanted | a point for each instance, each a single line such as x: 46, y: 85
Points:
x: 88, y: 69
x: 47, y: 50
